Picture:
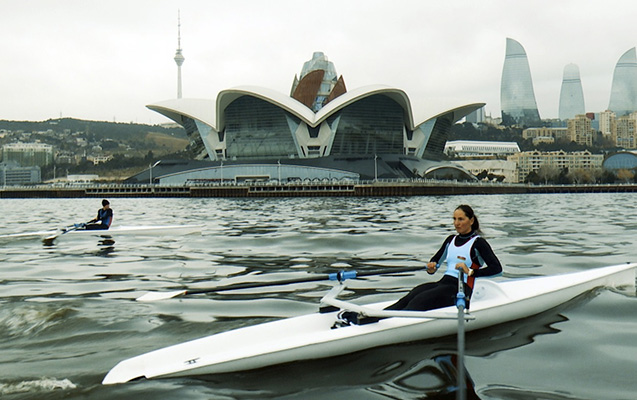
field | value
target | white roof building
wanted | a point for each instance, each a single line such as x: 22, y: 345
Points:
x: 470, y: 148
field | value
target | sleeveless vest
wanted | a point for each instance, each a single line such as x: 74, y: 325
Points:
x: 458, y: 254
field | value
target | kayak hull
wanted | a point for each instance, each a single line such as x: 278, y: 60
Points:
x: 310, y: 336
x: 141, y: 230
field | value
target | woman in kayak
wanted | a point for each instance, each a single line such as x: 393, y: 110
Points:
x: 466, y: 251
x: 103, y: 219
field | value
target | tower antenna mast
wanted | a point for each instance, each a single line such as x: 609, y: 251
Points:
x: 179, y: 58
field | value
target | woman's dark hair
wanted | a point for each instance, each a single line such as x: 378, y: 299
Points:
x: 468, y: 211
x: 105, y: 202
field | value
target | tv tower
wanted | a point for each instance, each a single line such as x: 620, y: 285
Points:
x: 179, y: 58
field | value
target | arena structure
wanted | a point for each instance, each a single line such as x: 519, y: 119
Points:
x: 321, y: 131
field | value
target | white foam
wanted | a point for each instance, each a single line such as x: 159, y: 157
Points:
x: 41, y: 386
x: 29, y: 318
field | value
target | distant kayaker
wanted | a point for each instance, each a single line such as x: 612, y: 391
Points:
x: 103, y: 219
x: 466, y: 251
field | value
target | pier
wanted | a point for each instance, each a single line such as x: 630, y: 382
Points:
x: 303, y: 189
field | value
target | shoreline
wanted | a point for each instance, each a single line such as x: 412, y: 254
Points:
x: 307, y: 189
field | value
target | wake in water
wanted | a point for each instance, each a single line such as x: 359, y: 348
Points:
x: 20, y: 319
x: 43, y: 385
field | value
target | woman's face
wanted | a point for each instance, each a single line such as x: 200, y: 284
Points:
x: 461, y: 222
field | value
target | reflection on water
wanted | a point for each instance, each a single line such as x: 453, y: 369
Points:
x: 431, y: 379
x: 106, y: 246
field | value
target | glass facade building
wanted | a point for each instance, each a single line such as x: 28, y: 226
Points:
x: 258, y: 129
x: 623, y: 93
x: 319, y: 131
x: 517, y: 98
x: 371, y: 126
x: 571, y: 94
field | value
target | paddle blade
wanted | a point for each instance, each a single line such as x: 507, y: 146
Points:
x: 49, y: 240
x: 156, y: 296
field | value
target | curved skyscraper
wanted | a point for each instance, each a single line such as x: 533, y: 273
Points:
x: 571, y: 94
x: 517, y: 98
x: 623, y: 93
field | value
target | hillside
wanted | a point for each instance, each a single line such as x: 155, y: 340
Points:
x: 129, y: 147
x: 97, y: 129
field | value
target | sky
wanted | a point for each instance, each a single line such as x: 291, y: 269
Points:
x: 106, y: 60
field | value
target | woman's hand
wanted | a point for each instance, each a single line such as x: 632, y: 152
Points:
x: 462, y: 267
x: 431, y: 267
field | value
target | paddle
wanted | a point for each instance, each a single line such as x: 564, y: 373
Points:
x: 49, y: 239
x: 339, y: 276
x: 461, y: 304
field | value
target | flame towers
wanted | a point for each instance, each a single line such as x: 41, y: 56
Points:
x: 571, y: 94
x: 623, y: 93
x: 517, y: 98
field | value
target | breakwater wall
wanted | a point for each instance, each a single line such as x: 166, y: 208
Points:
x: 261, y: 189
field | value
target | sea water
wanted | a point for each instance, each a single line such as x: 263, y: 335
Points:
x: 68, y: 312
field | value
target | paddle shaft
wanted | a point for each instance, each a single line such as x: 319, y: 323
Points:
x: 460, y: 303
x: 50, y: 239
x: 322, y: 277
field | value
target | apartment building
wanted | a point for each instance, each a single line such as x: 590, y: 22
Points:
x: 580, y: 130
x: 528, y: 161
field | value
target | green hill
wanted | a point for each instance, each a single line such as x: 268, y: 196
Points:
x: 95, y: 129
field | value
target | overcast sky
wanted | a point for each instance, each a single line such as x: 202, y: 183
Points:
x: 106, y: 60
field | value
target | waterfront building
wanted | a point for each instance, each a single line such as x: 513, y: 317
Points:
x: 320, y: 131
x: 11, y: 173
x: 626, y: 132
x: 571, y: 94
x: 517, y: 97
x: 623, y: 95
x: 607, y: 123
x: 558, y: 134
x: 474, y: 148
x: 476, y: 117
x: 494, y: 168
x: 493, y: 121
x: 542, y: 139
x: 99, y: 159
x: 580, y: 130
x: 28, y: 154
x: 621, y: 160
x: 528, y: 161
x: 81, y: 178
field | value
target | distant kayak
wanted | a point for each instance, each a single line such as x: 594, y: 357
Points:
x: 313, y: 336
x: 140, y: 230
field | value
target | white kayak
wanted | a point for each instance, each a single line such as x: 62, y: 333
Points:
x: 139, y: 230
x: 311, y: 336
